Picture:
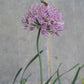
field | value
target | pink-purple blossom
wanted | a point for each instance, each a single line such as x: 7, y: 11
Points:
x: 48, y: 18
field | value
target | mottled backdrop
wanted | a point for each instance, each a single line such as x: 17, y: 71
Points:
x: 18, y: 46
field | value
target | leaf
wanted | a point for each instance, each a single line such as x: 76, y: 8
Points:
x: 59, y: 81
x: 59, y: 66
x: 27, y: 77
x: 81, y: 80
x: 22, y: 81
x: 65, y: 73
x: 75, y: 78
x: 31, y: 62
x: 51, y: 76
x: 17, y: 75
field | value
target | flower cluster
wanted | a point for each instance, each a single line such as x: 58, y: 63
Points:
x: 45, y: 17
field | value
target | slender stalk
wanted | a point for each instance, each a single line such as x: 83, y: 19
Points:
x: 37, y: 43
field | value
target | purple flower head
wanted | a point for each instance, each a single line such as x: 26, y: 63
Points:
x: 44, y: 32
x: 23, y: 19
x: 46, y: 17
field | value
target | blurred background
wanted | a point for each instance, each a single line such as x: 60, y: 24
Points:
x: 18, y: 46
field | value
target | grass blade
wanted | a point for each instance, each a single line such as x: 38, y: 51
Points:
x: 31, y: 62
x: 17, y: 75
x: 81, y: 80
x: 65, y: 73
x: 75, y: 78
x: 59, y: 81
x: 22, y: 81
x: 27, y: 77
x: 52, y: 76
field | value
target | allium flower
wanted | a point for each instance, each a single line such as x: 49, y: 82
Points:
x: 46, y: 17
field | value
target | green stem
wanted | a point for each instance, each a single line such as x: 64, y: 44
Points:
x: 41, y: 73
